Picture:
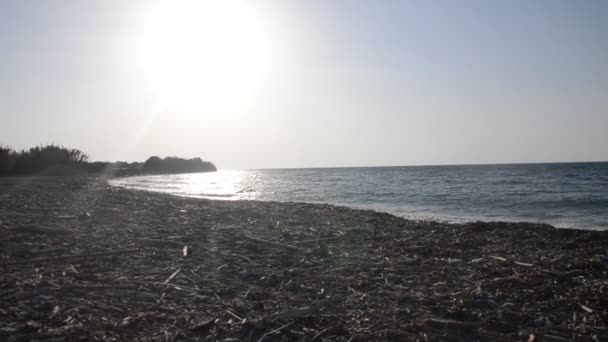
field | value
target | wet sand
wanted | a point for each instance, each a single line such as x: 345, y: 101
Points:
x: 83, y: 261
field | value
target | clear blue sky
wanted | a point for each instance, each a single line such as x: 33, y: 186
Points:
x: 352, y: 83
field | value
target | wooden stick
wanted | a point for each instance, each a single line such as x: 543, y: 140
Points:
x: 66, y: 217
x: 246, y: 259
x: 275, y: 331
x: 452, y: 323
x: 173, y: 275
x: 299, y: 312
x: 235, y: 315
x: 160, y: 243
x: 99, y: 287
x: 317, y: 240
x: 272, y: 243
x: 48, y: 250
x: 498, y: 258
x: 314, y: 338
x: 555, y: 338
x: 177, y: 287
x: 524, y: 264
x: 569, y: 274
x: 39, y: 229
x: 72, y: 257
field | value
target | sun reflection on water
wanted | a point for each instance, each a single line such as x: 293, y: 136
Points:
x: 489, y: 192
x: 223, y: 184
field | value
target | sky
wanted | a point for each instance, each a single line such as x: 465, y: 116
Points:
x: 272, y: 84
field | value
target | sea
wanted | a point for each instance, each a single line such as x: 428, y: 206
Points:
x: 565, y: 195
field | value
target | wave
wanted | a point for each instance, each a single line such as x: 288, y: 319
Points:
x: 564, y: 195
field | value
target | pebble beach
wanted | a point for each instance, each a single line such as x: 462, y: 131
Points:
x: 81, y: 260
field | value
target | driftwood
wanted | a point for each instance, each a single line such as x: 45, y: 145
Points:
x: 48, y: 250
x: 29, y: 252
x: 99, y: 287
x: 73, y: 257
x: 40, y: 229
x: 299, y: 312
x: 66, y: 217
x: 246, y: 259
x: 176, y: 287
x: 569, y: 274
x: 498, y: 258
x: 318, y: 240
x: 235, y: 316
x: 275, y: 331
x: 160, y: 243
x: 272, y: 243
x: 173, y: 275
x: 524, y: 264
x: 555, y: 338
x: 320, y: 333
x: 449, y: 323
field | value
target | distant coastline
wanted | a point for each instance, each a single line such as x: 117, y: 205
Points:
x: 58, y: 160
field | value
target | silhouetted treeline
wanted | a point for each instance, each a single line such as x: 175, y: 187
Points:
x: 59, y: 160
x: 177, y: 165
x: 49, y: 159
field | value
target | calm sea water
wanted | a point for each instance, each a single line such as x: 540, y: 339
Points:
x: 569, y: 195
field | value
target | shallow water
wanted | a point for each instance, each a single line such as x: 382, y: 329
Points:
x: 569, y: 195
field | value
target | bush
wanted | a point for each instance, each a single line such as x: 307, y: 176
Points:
x: 59, y: 160
x: 41, y: 159
x: 8, y: 159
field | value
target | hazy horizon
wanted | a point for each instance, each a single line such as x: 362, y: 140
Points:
x: 274, y: 84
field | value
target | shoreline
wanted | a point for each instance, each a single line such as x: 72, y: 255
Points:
x: 252, y: 267
x: 442, y: 219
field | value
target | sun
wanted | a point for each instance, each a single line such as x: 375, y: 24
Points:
x: 205, y: 56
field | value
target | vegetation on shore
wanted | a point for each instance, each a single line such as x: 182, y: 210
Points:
x: 177, y: 165
x: 59, y: 160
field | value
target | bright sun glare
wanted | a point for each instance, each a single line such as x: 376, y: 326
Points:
x: 205, y: 56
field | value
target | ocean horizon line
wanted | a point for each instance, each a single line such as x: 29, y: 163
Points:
x: 417, y: 165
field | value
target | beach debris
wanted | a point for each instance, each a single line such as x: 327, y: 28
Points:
x: 273, y: 243
x: 318, y: 240
x: 73, y: 257
x: 66, y: 217
x: 84, y: 216
x: 129, y: 273
x: 278, y: 330
x: 524, y: 264
x: 173, y: 275
x: 245, y: 258
x: 40, y: 229
x: 300, y: 312
x: 498, y: 258
x: 235, y: 316
x: 159, y: 243
x: 452, y: 324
